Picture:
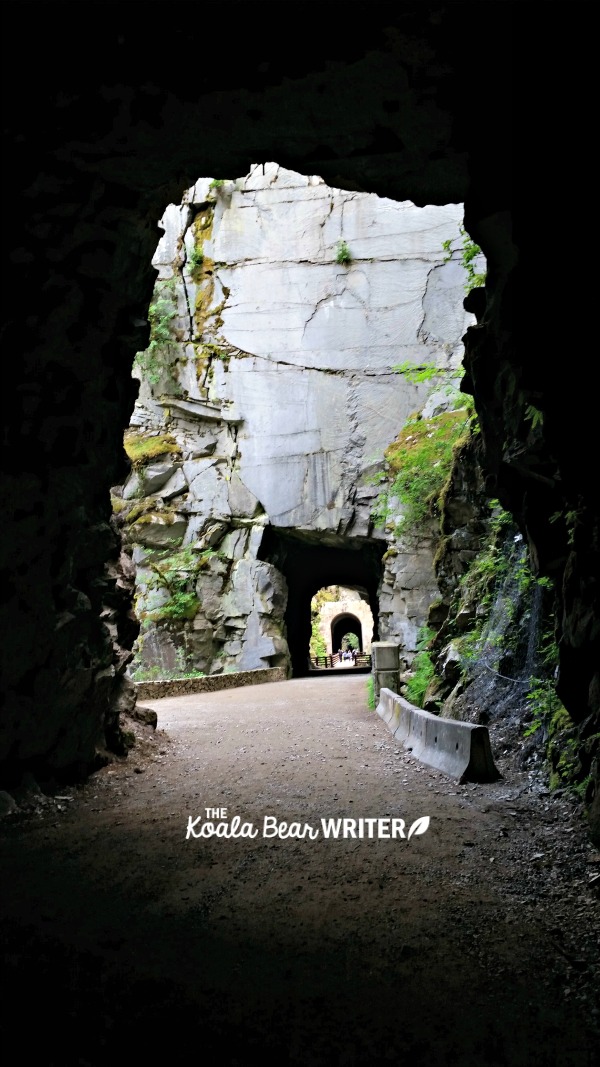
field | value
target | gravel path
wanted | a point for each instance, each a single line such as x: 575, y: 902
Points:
x: 474, y: 943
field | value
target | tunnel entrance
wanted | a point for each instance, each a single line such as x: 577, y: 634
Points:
x: 309, y: 561
x: 342, y: 630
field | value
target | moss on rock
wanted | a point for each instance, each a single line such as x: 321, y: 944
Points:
x: 141, y: 448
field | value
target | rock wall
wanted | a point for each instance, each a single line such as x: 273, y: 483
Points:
x: 170, y: 687
x: 280, y: 309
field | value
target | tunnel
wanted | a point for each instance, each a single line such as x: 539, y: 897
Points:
x: 452, y: 102
x: 386, y: 102
x: 309, y: 562
x: 342, y: 625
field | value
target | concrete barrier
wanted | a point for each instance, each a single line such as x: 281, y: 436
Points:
x: 385, y: 659
x: 460, y: 749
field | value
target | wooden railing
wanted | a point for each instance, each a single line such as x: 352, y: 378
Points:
x: 319, y: 663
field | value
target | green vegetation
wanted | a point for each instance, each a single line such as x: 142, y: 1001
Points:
x: 137, y: 509
x: 159, y: 674
x: 196, y: 260
x: 496, y: 591
x: 371, y: 693
x: 569, y: 518
x: 534, y: 416
x: 419, y: 463
x: 422, y: 668
x: 155, y: 360
x: 217, y: 183
x: 499, y: 592
x: 569, y: 757
x: 469, y: 253
x: 565, y: 753
x: 214, y: 351
x: 203, y: 273
x: 416, y: 373
x: 478, y: 585
x: 141, y: 448
x: 177, y: 571
x: 544, y: 705
x: 118, y: 504
x: 343, y: 254
x: 546, y: 710
x: 317, y: 645
x: 182, y: 605
x: 327, y: 595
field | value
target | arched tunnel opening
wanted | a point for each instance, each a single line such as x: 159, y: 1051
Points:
x: 310, y: 561
x: 341, y: 627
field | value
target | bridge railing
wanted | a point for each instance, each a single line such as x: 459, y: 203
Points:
x: 319, y: 663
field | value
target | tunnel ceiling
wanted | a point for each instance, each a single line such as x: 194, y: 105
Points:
x: 313, y: 563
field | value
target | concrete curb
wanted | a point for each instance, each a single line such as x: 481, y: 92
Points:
x: 172, y: 687
x: 459, y: 749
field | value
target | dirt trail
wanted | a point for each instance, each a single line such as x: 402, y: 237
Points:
x: 475, y: 943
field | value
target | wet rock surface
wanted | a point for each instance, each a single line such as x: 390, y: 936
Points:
x: 474, y: 943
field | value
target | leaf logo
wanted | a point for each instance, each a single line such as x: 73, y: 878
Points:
x: 419, y: 827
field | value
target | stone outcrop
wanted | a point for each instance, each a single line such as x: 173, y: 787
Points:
x: 280, y: 309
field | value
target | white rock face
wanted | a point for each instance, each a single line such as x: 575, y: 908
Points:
x: 278, y: 385
x: 279, y: 238
x: 167, y: 257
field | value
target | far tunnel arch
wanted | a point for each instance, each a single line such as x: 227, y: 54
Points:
x: 343, y: 624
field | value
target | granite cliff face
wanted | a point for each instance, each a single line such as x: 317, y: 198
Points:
x: 284, y: 306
